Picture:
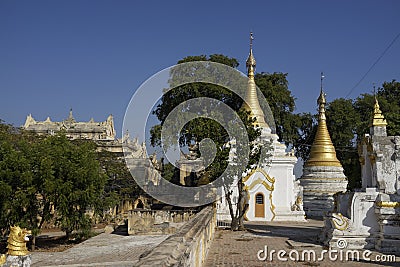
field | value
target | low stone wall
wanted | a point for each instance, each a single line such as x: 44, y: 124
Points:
x: 156, y: 221
x: 188, y: 246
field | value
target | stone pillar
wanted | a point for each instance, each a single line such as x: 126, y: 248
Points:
x: 387, y: 210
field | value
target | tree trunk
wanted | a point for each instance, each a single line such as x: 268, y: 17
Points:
x: 228, y: 195
x: 33, y: 245
x: 241, y: 216
x: 68, y: 234
x: 241, y: 206
x: 235, y: 224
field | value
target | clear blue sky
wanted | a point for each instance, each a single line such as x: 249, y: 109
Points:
x: 92, y: 55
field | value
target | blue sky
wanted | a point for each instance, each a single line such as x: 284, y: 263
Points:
x: 92, y: 55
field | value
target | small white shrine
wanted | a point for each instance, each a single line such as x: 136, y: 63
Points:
x: 273, y: 192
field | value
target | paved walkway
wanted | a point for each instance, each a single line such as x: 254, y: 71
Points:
x: 241, y: 248
x: 227, y: 249
x: 101, y: 250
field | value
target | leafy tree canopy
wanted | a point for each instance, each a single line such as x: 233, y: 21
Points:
x: 50, y: 178
x: 202, y: 128
x: 282, y: 103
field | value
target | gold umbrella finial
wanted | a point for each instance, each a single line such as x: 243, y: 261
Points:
x: 251, y: 61
x: 251, y: 40
x: 321, y: 101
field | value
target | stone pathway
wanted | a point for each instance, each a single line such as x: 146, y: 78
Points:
x: 101, y: 250
x: 241, y: 248
x: 227, y: 249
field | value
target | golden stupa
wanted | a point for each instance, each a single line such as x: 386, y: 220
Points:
x: 378, y: 119
x: 322, y: 150
x: 251, y: 103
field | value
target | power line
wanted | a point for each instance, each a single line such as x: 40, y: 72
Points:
x: 373, y: 65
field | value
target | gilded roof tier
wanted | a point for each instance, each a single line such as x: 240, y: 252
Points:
x: 378, y: 119
x: 322, y: 150
x: 251, y: 103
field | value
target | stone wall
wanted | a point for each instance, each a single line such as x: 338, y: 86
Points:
x: 188, y: 246
x: 156, y: 221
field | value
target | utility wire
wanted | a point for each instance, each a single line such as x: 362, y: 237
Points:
x: 373, y: 65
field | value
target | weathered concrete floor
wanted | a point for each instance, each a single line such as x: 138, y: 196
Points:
x: 240, y: 248
x: 101, y: 250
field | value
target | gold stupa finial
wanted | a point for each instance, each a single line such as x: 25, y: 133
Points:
x: 378, y: 119
x: 321, y: 101
x: 251, y: 61
x: 251, y: 101
x: 322, y: 79
x: 322, y: 150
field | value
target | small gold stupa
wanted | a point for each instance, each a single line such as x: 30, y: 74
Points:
x: 323, y: 175
x: 251, y: 103
x: 378, y: 119
x: 322, y: 150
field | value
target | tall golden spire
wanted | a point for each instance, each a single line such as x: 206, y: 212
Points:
x: 251, y: 61
x: 378, y: 119
x: 251, y: 101
x: 322, y: 150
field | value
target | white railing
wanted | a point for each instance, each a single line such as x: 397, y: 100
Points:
x: 223, y: 220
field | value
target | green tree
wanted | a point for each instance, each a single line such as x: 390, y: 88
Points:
x: 203, y: 128
x: 282, y: 103
x: 15, y: 178
x: 120, y: 184
x: 23, y: 175
x: 39, y: 197
x: 389, y: 99
x: 342, y: 121
x: 364, y: 105
x: 171, y: 173
x: 306, y: 127
x: 42, y: 174
x: 78, y: 183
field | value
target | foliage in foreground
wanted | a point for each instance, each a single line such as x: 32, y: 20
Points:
x: 46, y: 180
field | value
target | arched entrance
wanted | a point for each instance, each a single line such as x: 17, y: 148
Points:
x: 138, y: 204
x: 259, y: 206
